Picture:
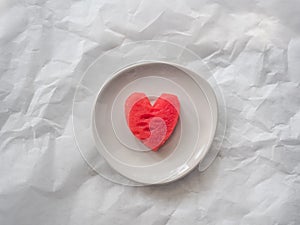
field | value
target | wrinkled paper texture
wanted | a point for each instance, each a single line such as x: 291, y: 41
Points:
x: 253, y: 50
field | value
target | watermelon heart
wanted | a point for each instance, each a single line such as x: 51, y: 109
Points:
x: 152, y: 124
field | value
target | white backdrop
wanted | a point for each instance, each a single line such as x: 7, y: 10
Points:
x: 253, y: 49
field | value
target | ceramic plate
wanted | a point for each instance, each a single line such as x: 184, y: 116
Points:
x: 188, y: 144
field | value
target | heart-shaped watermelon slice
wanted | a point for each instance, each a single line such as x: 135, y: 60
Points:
x: 152, y: 124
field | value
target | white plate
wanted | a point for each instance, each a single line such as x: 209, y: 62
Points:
x: 186, y: 147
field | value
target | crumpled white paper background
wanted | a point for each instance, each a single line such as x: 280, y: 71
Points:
x: 253, y: 49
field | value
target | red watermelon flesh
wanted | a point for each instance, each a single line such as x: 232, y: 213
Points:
x: 152, y: 124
